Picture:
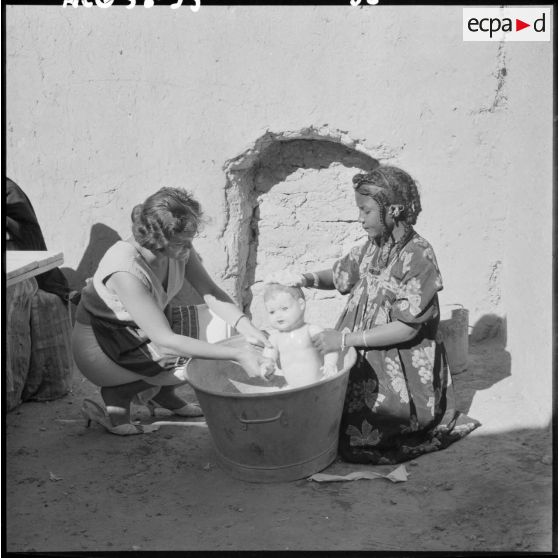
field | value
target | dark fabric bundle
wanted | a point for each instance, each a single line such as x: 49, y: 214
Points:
x: 25, y: 234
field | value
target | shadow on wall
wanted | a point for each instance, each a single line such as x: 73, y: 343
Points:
x: 488, y: 361
x: 101, y: 239
x: 489, y: 326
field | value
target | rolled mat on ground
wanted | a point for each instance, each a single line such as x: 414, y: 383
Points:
x: 39, y: 364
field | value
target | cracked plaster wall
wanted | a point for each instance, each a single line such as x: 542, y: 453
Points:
x: 105, y: 106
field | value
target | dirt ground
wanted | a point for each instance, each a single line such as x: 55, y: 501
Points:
x: 69, y: 488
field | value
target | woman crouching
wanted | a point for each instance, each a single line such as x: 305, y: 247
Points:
x: 124, y: 339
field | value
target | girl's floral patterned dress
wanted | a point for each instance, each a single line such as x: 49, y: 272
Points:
x: 399, y: 401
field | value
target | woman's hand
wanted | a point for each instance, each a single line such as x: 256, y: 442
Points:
x: 252, y: 334
x: 327, y: 341
x: 267, y: 368
x: 250, y: 359
x: 289, y: 278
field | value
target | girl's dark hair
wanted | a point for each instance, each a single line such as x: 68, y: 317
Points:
x: 398, y: 188
x: 162, y: 215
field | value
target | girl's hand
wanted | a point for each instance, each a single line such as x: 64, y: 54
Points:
x: 327, y: 341
x: 289, y: 278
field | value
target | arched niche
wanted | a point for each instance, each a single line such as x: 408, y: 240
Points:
x: 290, y: 205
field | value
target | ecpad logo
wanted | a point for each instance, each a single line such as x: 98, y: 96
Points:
x: 506, y: 24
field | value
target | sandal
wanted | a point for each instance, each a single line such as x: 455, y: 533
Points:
x: 94, y: 412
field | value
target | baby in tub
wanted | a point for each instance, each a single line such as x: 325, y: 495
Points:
x: 293, y: 353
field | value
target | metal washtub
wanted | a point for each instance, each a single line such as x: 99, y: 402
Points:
x: 269, y: 434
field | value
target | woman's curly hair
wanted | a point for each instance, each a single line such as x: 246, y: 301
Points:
x: 163, y: 214
x: 398, y: 188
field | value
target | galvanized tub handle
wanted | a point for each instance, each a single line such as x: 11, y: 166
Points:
x: 245, y: 422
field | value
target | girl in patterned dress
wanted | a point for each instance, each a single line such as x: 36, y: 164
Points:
x: 399, y: 402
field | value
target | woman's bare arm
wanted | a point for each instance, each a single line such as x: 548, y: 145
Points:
x: 149, y: 317
x: 385, y: 335
x: 219, y: 301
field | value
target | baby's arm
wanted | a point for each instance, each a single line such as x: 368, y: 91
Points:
x: 330, y: 359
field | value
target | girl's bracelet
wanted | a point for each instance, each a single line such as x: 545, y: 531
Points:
x: 311, y: 279
x: 343, y: 340
x: 316, y: 280
x: 364, y: 344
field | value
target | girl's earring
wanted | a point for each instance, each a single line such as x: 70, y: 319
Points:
x: 396, y: 210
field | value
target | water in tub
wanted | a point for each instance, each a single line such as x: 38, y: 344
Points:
x: 293, y: 362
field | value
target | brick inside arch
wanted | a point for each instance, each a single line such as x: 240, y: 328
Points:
x: 290, y: 205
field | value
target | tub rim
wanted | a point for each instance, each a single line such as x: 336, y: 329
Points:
x: 279, y: 392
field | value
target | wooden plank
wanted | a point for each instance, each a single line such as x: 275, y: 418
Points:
x: 23, y: 264
x: 18, y: 258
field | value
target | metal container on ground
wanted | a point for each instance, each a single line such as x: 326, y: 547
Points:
x: 454, y: 330
x: 270, y: 436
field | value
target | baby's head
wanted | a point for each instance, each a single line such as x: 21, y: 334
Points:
x: 285, y: 306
